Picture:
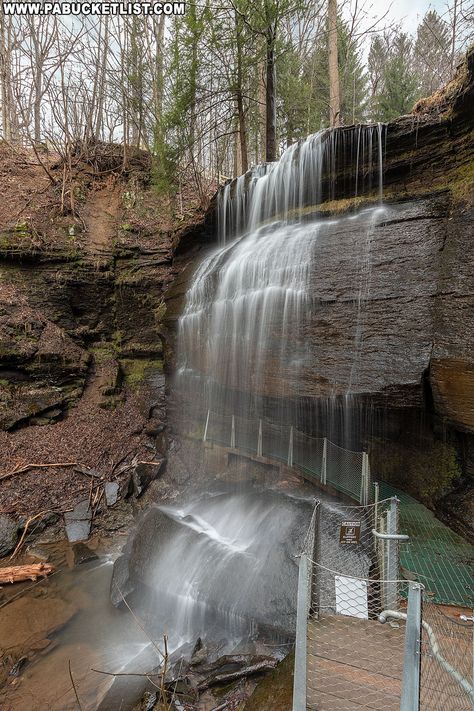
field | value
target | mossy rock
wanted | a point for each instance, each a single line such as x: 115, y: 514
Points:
x: 137, y: 370
x: 275, y: 691
x: 428, y: 471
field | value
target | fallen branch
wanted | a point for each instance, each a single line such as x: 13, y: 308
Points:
x: 74, y: 686
x: 27, y: 467
x: 145, y: 674
x: 257, y: 668
x: 20, y: 573
x: 20, y: 542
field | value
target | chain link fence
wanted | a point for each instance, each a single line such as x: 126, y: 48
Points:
x: 366, y: 638
x: 371, y: 632
x: 434, y: 555
x: 355, y: 655
x: 345, y: 471
x: 447, y: 671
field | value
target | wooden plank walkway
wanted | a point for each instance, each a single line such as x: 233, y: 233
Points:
x: 358, y: 664
x: 354, y: 664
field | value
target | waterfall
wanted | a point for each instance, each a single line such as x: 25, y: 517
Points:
x: 304, y: 176
x: 221, y: 565
x: 243, y: 334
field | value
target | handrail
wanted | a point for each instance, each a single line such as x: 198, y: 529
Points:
x: 349, y: 475
x: 256, y: 420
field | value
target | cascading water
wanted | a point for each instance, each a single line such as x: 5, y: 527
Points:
x: 305, y: 175
x: 243, y: 335
x: 222, y: 565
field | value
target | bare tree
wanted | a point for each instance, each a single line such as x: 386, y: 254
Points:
x: 6, y: 46
x: 334, y: 90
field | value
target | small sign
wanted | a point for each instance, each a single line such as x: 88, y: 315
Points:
x: 349, y: 532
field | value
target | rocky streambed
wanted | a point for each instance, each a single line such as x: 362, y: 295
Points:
x: 208, y: 579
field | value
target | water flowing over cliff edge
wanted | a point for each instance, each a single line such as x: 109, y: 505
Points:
x: 352, y: 313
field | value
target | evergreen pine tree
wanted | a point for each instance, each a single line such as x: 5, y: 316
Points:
x: 432, y: 53
x: 399, y: 82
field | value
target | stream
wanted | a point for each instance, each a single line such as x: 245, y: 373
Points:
x: 220, y: 567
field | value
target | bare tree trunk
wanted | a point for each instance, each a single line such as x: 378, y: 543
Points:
x: 334, y: 95
x: 159, y: 28
x: 239, y: 98
x: 102, y: 70
x: 237, y: 155
x: 270, y: 99
x: 262, y: 113
x: 453, y: 35
x: 38, y: 82
x: 242, y: 133
x: 5, y: 76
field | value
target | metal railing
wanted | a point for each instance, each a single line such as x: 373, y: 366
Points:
x: 346, y: 471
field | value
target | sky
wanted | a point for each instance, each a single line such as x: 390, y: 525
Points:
x: 409, y: 12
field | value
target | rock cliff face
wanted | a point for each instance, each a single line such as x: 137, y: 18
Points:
x: 414, y: 372
x: 81, y: 311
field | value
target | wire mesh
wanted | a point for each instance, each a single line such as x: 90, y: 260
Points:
x: 275, y: 441
x: 355, y: 654
x: 344, y: 470
x: 246, y: 434
x: 353, y: 659
x: 446, y: 659
x: 308, y: 453
x: 435, y: 555
x: 219, y: 429
x: 328, y: 463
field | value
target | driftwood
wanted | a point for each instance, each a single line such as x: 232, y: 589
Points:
x: 235, y: 660
x: 20, y: 573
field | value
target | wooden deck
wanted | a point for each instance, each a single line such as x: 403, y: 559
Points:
x: 354, y: 664
x: 357, y: 664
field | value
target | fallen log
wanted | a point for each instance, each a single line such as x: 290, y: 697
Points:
x: 20, y: 573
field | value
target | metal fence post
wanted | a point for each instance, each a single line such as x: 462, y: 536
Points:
x: 324, y: 467
x: 410, y: 700
x: 259, y: 444
x: 376, y: 503
x: 315, y: 593
x: 393, y: 564
x: 206, y: 427
x: 364, y: 482
x: 299, y: 680
x: 232, y: 433
x: 290, y: 448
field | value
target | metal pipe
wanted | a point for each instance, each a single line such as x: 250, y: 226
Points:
x: 206, y: 427
x: 391, y: 536
x: 410, y: 699
x: 393, y: 614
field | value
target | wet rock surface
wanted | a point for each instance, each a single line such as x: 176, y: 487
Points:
x: 388, y: 344
x: 254, y: 571
x: 8, y: 535
x: 78, y: 522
